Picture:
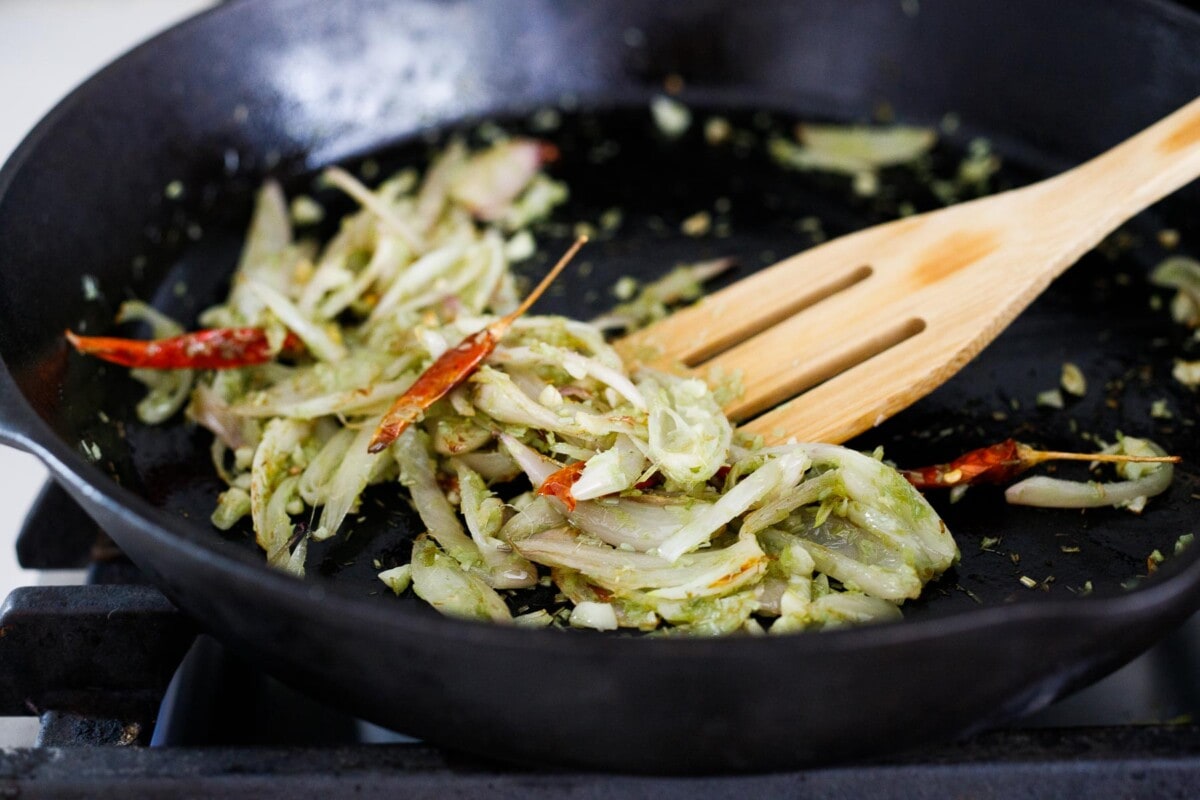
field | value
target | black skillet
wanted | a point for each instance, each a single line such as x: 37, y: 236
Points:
x: 282, y: 87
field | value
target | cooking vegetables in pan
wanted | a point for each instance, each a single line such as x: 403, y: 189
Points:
x: 399, y: 353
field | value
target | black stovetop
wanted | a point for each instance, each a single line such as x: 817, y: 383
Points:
x: 131, y: 699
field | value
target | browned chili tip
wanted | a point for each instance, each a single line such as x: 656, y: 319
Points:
x: 558, y: 484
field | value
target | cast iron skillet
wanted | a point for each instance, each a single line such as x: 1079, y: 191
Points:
x: 284, y: 86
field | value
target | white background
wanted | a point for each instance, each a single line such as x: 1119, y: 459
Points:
x: 47, y: 48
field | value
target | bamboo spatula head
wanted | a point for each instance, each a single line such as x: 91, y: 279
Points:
x: 830, y: 342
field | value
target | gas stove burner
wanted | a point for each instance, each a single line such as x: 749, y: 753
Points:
x: 129, y: 696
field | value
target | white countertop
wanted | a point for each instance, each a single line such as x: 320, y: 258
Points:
x: 46, y: 49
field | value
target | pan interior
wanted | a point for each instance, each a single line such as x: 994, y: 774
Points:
x: 634, y: 187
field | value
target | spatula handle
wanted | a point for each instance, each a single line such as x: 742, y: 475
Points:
x: 1136, y: 173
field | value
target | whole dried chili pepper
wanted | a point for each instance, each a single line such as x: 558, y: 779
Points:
x: 1001, y: 462
x: 216, y: 348
x: 558, y: 484
x: 456, y: 365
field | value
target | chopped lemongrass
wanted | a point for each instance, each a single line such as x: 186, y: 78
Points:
x: 1051, y: 398
x: 1072, y: 380
x: 599, y: 616
x: 398, y: 579
x: 672, y: 117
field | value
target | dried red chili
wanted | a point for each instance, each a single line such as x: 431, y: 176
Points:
x: 456, y: 365
x: 217, y: 348
x: 1002, y: 462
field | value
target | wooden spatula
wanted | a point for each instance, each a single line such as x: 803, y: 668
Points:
x: 833, y: 341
